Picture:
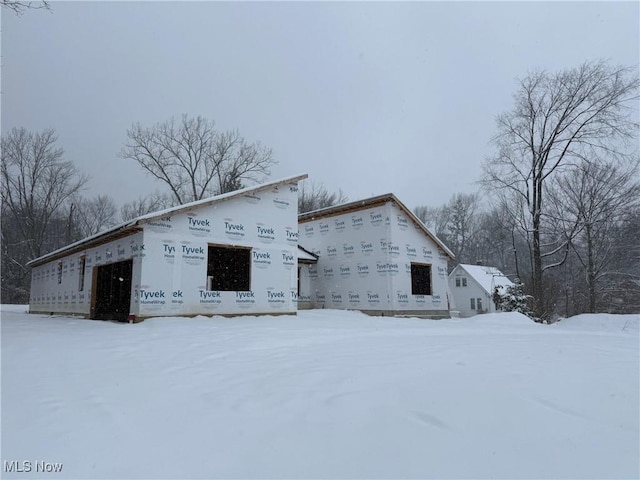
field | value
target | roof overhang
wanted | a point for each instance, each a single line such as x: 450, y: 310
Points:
x: 90, y: 242
x: 305, y: 256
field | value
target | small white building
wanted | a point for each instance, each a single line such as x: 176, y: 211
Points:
x: 472, y: 288
x: 231, y: 254
x: 373, y: 255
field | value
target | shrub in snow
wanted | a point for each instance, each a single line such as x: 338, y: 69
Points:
x: 513, y: 299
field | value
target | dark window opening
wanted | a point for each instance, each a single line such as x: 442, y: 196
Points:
x: 473, y: 304
x: 229, y: 269
x: 457, y: 281
x: 420, y: 279
x: 81, y: 279
x: 464, y: 281
x: 59, y: 272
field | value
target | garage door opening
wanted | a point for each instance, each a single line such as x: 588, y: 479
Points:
x: 112, y: 291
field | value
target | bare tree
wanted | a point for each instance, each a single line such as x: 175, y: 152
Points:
x: 313, y: 196
x: 37, y: 185
x: 194, y: 159
x: 462, y: 223
x: 499, y: 242
x: 435, y: 218
x: 19, y: 7
x: 454, y: 223
x: 143, y: 205
x: 595, y: 197
x: 621, y: 291
x: 92, y: 215
x: 557, y: 120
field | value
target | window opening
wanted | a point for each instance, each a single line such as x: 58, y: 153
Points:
x: 229, y: 268
x: 81, y: 274
x: 420, y: 279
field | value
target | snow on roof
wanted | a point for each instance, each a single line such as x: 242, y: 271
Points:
x: 487, y: 277
x: 131, y: 225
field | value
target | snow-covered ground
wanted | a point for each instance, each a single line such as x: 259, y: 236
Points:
x: 326, y: 394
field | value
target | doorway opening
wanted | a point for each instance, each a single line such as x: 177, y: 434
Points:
x: 111, y: 296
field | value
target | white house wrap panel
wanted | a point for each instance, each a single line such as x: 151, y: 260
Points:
x: 175, y: 282
x: 365, y: 260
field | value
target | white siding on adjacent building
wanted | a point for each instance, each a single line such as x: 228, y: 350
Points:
x: 472, y: 287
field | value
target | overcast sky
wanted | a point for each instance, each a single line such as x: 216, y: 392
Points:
x: 371, y: 98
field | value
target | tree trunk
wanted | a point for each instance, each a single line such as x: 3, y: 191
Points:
x: 591, y: 275
x: 515, y: 254
x: 538, y: 292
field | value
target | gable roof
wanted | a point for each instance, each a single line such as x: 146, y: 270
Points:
x: 487, y: 277
x: 132, y: 226
x: 373, y: 202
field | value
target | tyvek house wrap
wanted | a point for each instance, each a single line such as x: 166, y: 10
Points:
x: 168, y: 253
x: 70, y: 291
x: 365, y: 259
x: 174, y: 276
